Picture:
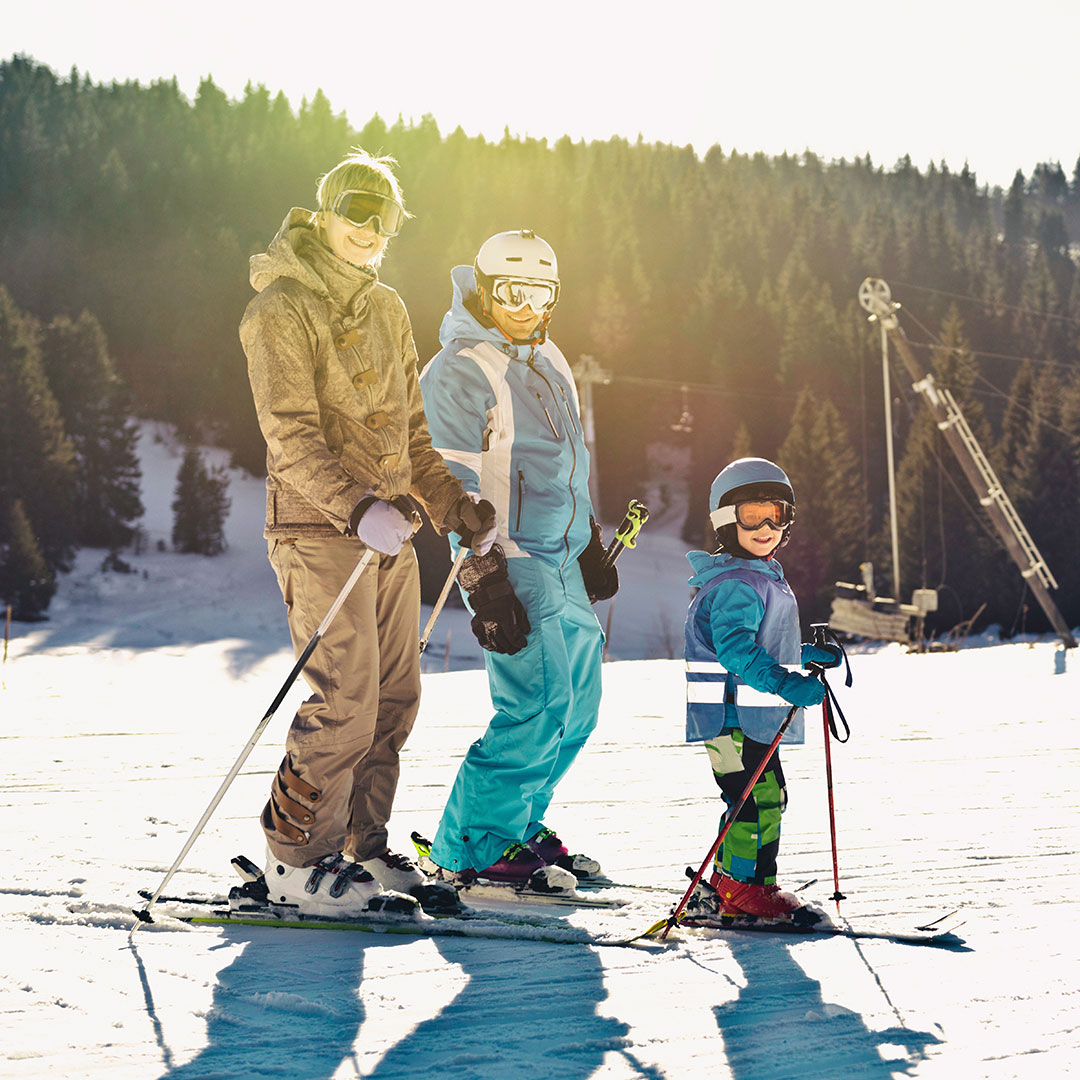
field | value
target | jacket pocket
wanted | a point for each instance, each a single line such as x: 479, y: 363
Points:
x: 521, y: 499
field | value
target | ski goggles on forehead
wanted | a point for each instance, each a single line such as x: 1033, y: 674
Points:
x: 364, y: 207
x: 514, y: 295
x: 754, y: 513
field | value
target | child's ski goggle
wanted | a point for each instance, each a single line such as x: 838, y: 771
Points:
x: 513, y: 294
x: 369, y: 207
x: 753, y: 514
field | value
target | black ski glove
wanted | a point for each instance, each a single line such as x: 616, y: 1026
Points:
x: 499, y: 623
x: 601, y: 582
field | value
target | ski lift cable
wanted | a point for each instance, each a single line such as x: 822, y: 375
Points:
x: 705, y: 388
x: 996, y: 390
x: 934, y: 347
x: 990, y: 303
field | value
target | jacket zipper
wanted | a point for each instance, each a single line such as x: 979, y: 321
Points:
x: 551, y: 423
x: 573, y: 460
x: 569, y: 411
x: 521, y: 499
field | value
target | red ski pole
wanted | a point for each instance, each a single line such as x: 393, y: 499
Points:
x: 837, y: 894
x: 729, y: 820
x: 820, y: 630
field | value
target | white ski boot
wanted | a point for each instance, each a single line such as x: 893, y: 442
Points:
x: 335, y: 887
x: 401, y: 874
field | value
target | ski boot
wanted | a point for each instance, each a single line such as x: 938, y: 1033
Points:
x: 519, y: 870
x: 335, y: 887
x: 554, y: 852
x: 760, y: 901
x: 398, y: 873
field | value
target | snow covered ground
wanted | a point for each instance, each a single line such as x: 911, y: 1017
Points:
x: 121, y: 714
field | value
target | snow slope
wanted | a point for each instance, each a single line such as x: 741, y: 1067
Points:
x: 121, y: 714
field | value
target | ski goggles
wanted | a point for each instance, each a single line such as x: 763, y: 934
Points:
x: 513, y: 294
x: 754, y: 513
x: 369, y: 207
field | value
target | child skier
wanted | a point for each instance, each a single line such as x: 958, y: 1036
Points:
x: 742, y: 677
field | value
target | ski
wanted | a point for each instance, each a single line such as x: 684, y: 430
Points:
x: 238, y: 910
x: 937, y: 933
x: 494, y: 890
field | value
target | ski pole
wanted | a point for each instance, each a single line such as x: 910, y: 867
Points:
x: 729, y: 820
x: 463, y: 552
x: 637, y: 514
x: 143, y: 914
x: 819, y: 640
x: 837, y: 894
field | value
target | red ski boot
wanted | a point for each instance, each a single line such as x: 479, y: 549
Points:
x: 742, y: 898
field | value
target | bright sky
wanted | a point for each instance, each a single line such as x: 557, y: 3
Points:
x: 991, y: 82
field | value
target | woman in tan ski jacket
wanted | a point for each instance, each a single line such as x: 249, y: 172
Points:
x: 333, y: 372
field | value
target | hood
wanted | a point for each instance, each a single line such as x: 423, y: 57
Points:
x: 706, y: 566
x: 297, y: 252
x: 460, y: 324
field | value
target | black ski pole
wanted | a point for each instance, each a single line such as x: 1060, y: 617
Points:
x: 637, y: 514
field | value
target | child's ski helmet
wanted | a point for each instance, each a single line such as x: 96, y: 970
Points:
x: 745, y: 480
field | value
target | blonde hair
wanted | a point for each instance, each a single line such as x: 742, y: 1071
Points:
x: 360, y: 171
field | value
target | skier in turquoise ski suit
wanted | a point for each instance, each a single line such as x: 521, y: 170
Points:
x: 504, y: 414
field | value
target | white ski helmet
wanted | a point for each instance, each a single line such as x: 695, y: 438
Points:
x: 746, y: 480
x: 520, y: 255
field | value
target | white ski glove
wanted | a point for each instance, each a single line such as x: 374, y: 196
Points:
x: 383, y: 526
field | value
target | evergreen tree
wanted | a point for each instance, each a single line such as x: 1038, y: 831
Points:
x: 95, y: 406
x: 26, y: 581
x: 199, y: 507
x: 36, y: 456
x: 824, y: 471
x: 1046, y: 486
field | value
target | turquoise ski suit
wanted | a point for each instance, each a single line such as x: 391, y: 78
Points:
x: 506, y: 419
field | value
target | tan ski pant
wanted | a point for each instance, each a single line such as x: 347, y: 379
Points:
x: 335, y: 788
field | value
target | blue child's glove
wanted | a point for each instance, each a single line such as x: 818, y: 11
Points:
x: 801, y: 689
x: 825, y: 656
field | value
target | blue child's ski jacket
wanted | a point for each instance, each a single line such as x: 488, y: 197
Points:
x: 742, y: 638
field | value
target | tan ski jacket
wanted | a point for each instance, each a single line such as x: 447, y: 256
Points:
x: 333, y: 371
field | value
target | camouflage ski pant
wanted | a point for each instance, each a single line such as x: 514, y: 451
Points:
x: 335, y: 788
x: 750, y: 848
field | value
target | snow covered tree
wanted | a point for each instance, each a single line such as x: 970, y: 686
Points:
x: 200, y: 506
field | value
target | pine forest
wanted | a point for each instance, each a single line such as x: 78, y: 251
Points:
x: 718, y: 293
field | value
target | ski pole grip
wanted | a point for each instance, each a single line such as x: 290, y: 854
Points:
x: 637, y: 514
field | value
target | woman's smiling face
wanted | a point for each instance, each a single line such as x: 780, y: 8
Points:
x: 360, y: 245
